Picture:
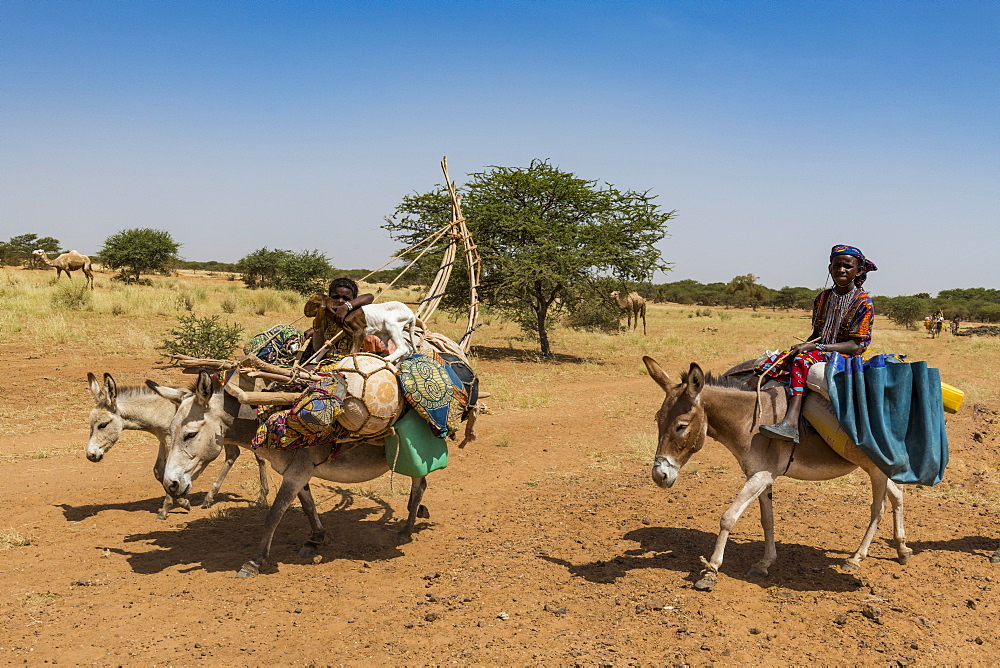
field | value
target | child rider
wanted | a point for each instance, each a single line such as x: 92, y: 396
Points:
x: 842, y: 323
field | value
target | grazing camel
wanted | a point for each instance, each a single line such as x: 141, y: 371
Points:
x: 634, y: 306
x: 68, y: 262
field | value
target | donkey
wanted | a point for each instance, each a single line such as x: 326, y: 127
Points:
x: 209, y: 414
x: 696, y: 407
x: 141, y: 409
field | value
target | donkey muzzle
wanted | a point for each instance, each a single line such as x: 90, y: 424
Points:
x: 664, y: 472
x: 176, y: 487
x: 94, y: 454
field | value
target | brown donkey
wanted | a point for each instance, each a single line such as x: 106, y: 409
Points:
x: 696, y: 407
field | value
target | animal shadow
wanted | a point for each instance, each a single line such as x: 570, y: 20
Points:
x: 798, y: 567
x: 151, y: 505
x: 223, y: 541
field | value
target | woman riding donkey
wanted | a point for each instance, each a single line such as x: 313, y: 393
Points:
x: 842, y: 324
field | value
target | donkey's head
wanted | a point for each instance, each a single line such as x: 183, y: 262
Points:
x: 196, y: 432
x: 106, y: 423
x: 681, y: 421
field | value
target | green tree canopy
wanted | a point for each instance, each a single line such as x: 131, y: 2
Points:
x: 543, y: 235
x: 138, y: 250
x: 746, y: 291
x: 304, y: 272
x: 18, y: 251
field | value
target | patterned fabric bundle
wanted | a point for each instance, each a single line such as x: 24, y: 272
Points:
x: 277, y: 345
x: 312, y: 420
x: 791, y: 371
x: 435, y: 391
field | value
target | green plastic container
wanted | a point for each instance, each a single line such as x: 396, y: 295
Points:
x: 419, y: 450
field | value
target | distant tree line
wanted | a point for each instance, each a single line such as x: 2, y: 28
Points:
x: 145, y: 251
x: 969, y: 304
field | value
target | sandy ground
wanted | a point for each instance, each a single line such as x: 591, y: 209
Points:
x: 548, y: 544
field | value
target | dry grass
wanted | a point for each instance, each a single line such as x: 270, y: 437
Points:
x: 13, y: 538
x: 131, y: 321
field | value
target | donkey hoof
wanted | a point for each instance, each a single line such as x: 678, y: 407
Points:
x: 207, y: 502
x: 850, y: 565
x: 249, y: 570
x: 904, y: 556
x: 183, y: 503
x: 995, y: 559
x: 309, y: 549
x: 707, y: 581
x: 756, y: 572
x: 161, y: 515
x: 422, y: 512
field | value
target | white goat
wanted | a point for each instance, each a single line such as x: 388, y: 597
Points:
x: 387, y: 321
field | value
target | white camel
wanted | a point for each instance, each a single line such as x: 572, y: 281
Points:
x: 634, y: 306
x: 68, y: 262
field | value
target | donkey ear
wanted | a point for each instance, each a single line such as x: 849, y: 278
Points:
x: 656, y: 373
x: 96, y: 389
x: 204, y: 389
x: 695, y: 381
x: 112, y: 389
x: 172, y: 393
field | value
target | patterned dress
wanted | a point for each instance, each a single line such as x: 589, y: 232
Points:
x: 836, y: 318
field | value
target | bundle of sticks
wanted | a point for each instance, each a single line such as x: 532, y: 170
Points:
x: 252, y: 366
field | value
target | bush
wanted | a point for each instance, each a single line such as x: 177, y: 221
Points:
x: 305, y: 272
x: 595, y: 315
x: 202, y: 337
x: 71, y: 296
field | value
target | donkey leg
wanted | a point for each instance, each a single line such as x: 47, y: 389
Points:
x: 311, y: 546
x: 895, y: 493
x: 264, y: 490
x: 232, y: 454
x: 879, y: 486
x: 759, y: 570
x: 293, y: 479
x: 753, y: 488
x: 415, y: 508
x: 168, y: 501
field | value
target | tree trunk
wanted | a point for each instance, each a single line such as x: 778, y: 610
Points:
x: 541, y: 306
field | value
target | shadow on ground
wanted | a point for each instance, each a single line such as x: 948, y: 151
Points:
x: 522, y: 355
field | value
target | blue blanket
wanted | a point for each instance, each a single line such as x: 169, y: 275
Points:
x: 893, y: 412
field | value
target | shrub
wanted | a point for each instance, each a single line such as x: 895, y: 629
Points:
x: 71, y: 296
x: 202, y: 337
x: 595, y: 315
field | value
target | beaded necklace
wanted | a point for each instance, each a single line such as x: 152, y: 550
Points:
x: 836, y: 307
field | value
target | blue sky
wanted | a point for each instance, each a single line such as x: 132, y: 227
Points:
x: 775, y: 129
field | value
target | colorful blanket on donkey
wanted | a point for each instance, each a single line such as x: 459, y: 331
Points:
x: 312, y: 420
x: 278, y: 345
x: 434, y: 390
x: 893, y: 412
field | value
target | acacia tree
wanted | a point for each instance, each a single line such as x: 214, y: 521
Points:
x: 304, y: 272
x: 544, y: 237
x: 20, y: 248
x: 139, y: 250
x: 746, y: 291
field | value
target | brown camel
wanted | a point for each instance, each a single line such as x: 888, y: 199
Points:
x: 68, y: 262
x: 634, y: 306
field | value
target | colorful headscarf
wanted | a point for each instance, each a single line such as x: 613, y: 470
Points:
x: 864, y: 264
